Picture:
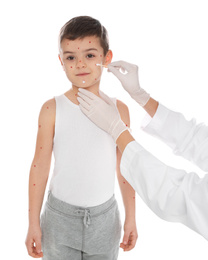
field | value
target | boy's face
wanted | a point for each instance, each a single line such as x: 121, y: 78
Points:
x: 79, y: 59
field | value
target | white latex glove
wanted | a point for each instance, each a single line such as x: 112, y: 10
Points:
x: 128, y: 75
x: 102, y: 112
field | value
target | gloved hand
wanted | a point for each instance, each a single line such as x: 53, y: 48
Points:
x: 128, y: 75
x: 101, y: 111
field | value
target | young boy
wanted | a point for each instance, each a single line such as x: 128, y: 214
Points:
x: 81, y: 217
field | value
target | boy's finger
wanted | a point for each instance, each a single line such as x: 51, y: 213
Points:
x: 38, y: 246
x: 122, y: 246
x: 126, y: 238
x: 131, y: 243
x: 35, y: 254
x: 30, y: 247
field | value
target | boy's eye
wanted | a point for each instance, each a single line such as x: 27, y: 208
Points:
x: 70, y: 58
x: 90, y: 56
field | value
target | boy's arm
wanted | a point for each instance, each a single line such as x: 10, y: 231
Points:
x: 128, y: 193
x: 39, y: 175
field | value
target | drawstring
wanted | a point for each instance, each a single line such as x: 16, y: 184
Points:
x: 86, y: 219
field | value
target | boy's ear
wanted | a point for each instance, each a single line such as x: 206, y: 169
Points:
x: 108, y: 57
x: 61, y: 61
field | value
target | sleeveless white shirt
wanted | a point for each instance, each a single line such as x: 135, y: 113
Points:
x: 85, y: 158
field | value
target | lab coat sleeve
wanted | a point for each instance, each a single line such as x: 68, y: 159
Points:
x: 172, y: 194
x: 186, y: 138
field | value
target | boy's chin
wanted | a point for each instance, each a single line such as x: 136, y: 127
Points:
x: 84, y: 85
x: 81, y: 86
x: 88, y: 83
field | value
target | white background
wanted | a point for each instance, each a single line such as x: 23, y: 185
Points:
x: 166, y: 39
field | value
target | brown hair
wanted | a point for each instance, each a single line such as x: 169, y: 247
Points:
x: 82, y: 26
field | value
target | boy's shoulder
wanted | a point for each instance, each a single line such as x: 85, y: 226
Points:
x: 124, y: 111
x: 122, y: 107
x: 50, y: 103
x: 121, y: 104
x: 48, y: 110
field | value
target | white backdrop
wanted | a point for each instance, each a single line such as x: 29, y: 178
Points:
x: 167, y: 39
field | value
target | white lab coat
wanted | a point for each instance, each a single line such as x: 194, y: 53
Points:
x: 173, y: 194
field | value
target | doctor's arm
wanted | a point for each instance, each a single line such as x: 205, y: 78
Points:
x: 172, y: 194
x: 186, y: 138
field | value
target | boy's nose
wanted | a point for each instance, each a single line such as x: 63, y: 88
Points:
x: 81, y: 64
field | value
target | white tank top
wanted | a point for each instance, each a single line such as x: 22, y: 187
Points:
x: 85, y: 158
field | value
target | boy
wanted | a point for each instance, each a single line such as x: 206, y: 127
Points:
x: 81, y: 217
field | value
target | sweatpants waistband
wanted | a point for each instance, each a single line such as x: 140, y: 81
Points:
x: 66, y: 208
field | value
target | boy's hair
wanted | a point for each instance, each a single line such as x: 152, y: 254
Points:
x: 82, y: 26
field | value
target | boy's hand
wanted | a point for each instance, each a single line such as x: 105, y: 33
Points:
x: 34, y: 236
x: 130, y: 236
x: 128, y: 75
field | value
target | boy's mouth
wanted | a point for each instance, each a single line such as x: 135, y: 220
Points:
x: 82, y: 74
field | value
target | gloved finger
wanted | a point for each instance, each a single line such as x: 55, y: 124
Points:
x: 85, y: 98
x: 121, y: 69
x: 116, y: 71
x: 87, y: 93
x: 106, y: 98
x: 84, y: 103
x: 84, y: 110
x: 122, y: 64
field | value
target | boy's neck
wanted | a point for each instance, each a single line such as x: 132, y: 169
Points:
x: 94, y: 89
x: 72, y: 93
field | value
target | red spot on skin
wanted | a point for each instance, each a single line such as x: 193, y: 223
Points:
x: 71, y: 67
x: 124, y: 182
x: 75, y: 94
x: 67, y: 43
x: 80, y: 61
x: 101, y: 55
x: 33, y: 184
x: 133, y: 197
x: 126, y: 125
x: 34, y: 165
x: 41, y: 147
x: 78, y: 48
x: 47, y: 107
x: 39, y: 126
x: 95, y: 79
x: 89, y: 41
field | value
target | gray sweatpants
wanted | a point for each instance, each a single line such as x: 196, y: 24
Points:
x: 75, y: 233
